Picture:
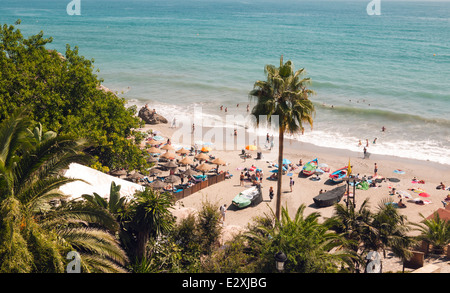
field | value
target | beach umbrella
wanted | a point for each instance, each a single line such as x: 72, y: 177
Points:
x: 157, y: 184
x: 189, y: 172
x: 167, y: 147
x: 186, y: 161
x: 172, y: 179
x: 286, y: 162
x: 168, y: 155
x: 152, y: 159
x: 171, y: 164
x: 119, y: 172
x: 136, y: 176
x: 204, y: 168
x: 153, y: 172
x: 154, y: 150
x: 251, y: 147
x: 219, y: 161
x: 202, y: 157
x: 152, y: 142
x: 182, y: 151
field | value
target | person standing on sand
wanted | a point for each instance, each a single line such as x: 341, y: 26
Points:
x: 365, y: 152
x: 271, y: 193
x: 241, y: 179
x: 375, y: 169
x: 291, y: 183
x: 223, y: 210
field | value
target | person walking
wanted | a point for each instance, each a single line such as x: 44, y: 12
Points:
x: 241, y: 178
x: 291, y: 183
x: 375, y: 170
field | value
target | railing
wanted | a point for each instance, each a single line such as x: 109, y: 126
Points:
x: 199, y: 186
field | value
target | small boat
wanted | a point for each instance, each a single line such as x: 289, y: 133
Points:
x: 310, y: 167
x: 251, y: 196
x: 338, y: 175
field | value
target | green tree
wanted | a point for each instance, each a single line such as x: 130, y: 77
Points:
x: 309, y: 245
x: 368, y: 231
x: 283, y: 95
x: 147, y: 218
x: 33, y: 236
x: 434, y: 231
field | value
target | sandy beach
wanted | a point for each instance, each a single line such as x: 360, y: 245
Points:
x: 305, y: 189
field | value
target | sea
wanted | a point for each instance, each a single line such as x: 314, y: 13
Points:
x: 368, y: 70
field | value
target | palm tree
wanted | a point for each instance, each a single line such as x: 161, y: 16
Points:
x: 435, y: 231
x: 147, y: 218
x: 283, y: 95
x: 354, y: 224
x: 309, y: 245
x: 114, y: 205
x: 391, y: 231
x: 368, y: 231
x: 33, y: 236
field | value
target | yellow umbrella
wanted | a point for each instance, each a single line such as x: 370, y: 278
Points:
x: 206, y: 149
x: 251, y: 147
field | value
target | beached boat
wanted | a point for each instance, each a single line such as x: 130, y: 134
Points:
x: 310, y: 167
x: 251, y: 196
x: 338, y: 175
x: 330, y: 197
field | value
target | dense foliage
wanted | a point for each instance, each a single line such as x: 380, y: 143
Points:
x: 36, y: 236
x: 65, y: 96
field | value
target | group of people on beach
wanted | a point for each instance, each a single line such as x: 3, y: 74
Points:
x: 383, y: 129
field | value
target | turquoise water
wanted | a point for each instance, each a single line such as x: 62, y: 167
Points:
x: 390, y: 70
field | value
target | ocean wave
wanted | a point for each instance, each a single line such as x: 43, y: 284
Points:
x: 382, y: 115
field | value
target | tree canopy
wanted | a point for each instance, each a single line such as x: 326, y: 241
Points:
x: 64, y: 94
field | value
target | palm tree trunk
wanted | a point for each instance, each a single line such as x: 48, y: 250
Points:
x: 280, y: 171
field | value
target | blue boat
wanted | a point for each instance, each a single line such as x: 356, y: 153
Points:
x: 339, y: 175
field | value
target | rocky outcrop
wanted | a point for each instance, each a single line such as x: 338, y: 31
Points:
x: 149, y: 116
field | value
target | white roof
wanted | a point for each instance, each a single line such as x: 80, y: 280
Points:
x: 99, y: 183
